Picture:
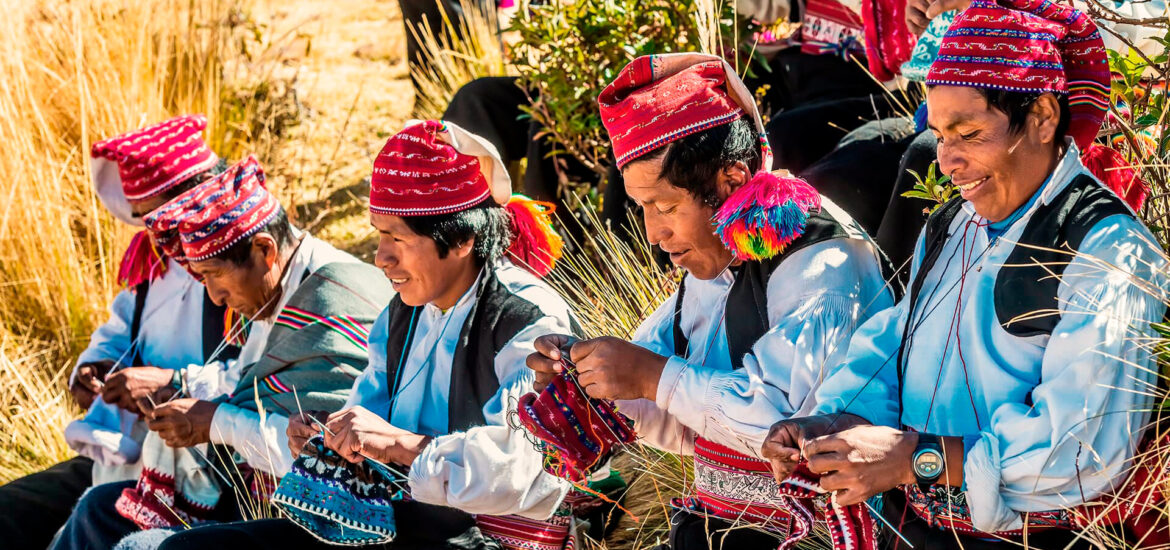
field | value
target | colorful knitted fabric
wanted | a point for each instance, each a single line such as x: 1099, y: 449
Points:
x: 829, y: 28
x: 153, y: 159
x: 762, y: 218
x: 926, y: 48
x: 944, y: 507
x: 735, y: 488
x: 578, y: 433
x: 218, y: 213
x: 174, y: 489
x: 519, y: 533
x: 142, y: 262
x: 888, y: 42
x: 337, y: 501
x: 1029, y: 46
x: 850, y: 527
x: 435, y: 167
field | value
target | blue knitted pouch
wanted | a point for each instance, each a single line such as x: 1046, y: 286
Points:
x: 337, y: 501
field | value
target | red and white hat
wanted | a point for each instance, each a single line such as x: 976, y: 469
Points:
x: 216, y: 214
x: 658, y: 99
x: 143, y: 163
x: 436, y: 167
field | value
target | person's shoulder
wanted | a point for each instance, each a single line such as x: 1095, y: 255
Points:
x: 519, y: 284
x: 345, y: 285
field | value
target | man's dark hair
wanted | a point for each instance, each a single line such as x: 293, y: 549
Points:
x: 1017, y: 105
x: 486, y: 222
x: 185, y: 185
x: 280, y: 229
x: 694, y: 161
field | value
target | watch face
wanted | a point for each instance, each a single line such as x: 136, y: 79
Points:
x: 928, y: 464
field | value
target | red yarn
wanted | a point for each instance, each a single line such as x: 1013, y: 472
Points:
x: 1116, y: 173
x: 888, y: 42
x: 535, y: 244
x: 142, y: 262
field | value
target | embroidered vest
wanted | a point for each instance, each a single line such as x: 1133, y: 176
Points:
x: 1028, y: 283
x: 729, y: 484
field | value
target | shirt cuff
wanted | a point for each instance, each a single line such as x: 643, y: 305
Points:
x: 223, y: 424
x: 683, y: 393
x: 981, y: 474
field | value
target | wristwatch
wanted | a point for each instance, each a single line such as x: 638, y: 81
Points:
x: 928, y: 460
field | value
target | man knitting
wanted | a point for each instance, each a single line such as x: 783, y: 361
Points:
x: 763, y: 308
x: 446, y: 357
x: 162, y: 321
x: 1010, y: 386
x: 308, y: 307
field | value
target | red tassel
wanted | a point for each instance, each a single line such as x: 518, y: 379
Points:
x: 535, y: 244
x: 142, y: 262
x: 1122, y: 177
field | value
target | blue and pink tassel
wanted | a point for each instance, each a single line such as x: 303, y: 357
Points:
x: 760, y: 219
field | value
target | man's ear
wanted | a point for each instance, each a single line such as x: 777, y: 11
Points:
x: 464, y: 249
x: 731, y: 178
x: 264, y: 248
x: 1044, y: 118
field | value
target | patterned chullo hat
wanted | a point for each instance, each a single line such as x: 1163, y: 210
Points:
x: 435, y: 167
x: 209, y: 218
x: 657, y: 100
x: 1029, y: 46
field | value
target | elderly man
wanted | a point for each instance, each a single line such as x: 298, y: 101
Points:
x: 162, y: 321
x: 447, y: 362
x: 763, y: 308
x: 309, y: 307
x: 1009, y: 385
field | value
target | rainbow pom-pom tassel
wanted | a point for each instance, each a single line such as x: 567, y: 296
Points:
x: 760, y: 219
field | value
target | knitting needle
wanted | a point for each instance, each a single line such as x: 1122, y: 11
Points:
x: 886, y: 522
x: 363, y: 455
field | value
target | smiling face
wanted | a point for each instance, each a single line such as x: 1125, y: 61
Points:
x: 412, y: 263
x: 996, y: 169
x: 677, y: 221
x: 250, y: 287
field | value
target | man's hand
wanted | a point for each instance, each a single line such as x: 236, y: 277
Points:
x: 785, y: 441
x: 183, y: 422
x: 612, y: 368
x: 862, y: 461
x: 301, y: 428
x: 88, y: 382
x: 546, y: 361
x: 125, y: 387
x: 358, y: 433
x: 920, y: 12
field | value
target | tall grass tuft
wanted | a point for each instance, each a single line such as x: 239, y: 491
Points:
x: 456, y: 53
x: 72, y: 73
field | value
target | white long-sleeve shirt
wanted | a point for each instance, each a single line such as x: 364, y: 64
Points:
x: 816, y: 298
x: 264, y: 445
x: 1089, y: 379
x: 170, y: 336
x: 491, y: 469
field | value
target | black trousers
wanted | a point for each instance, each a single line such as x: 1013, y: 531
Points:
x: 691, y: 531
x: 420, y: 527
x: 925, y: 537
x: 35, y: 506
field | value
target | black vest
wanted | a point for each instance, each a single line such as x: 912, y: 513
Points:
x: 1029, y: 280
x: 212, y: 327
x: 748, y: 296
x: 496, y: 317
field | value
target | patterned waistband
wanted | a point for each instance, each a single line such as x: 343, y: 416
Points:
x: 734, y: 487
x: 519, y: 533
x: 945, y: 507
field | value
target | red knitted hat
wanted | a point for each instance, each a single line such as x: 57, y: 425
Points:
x: 217, y: 213
x: 657, y: 99
x: 153, y: 159
x: 435, y: 167
x: 1029, y: 46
